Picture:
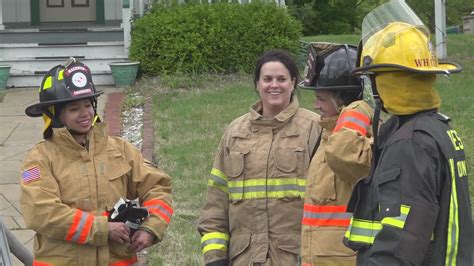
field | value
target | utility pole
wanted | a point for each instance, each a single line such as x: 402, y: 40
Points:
x: 440, y: 28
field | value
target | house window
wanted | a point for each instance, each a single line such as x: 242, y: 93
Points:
x: 80, y: 3
x: 55, y: 3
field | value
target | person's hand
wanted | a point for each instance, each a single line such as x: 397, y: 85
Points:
x: 119, y: 232
x: 140, y: 240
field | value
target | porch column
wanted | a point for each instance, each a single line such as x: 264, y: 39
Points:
x: 440, y: 22
x: 126, y: 15
x: 2, y: 27
x: 140, y: 7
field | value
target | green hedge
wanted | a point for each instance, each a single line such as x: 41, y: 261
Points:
x: 210, y: 38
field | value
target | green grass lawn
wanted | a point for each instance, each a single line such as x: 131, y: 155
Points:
x: 191, y: 114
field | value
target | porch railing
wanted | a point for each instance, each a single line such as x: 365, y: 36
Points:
x: 10, y: 244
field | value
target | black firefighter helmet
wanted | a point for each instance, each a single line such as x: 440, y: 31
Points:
x: 62, y: 84
x: 329, y: 67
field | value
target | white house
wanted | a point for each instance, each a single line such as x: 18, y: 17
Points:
x: 36, y: 35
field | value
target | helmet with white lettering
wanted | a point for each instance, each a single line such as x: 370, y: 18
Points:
x: 395, y: 39
x: 63, y: 84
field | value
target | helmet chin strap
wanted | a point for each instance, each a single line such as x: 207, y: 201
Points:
x: 54, y: 119
x: 56, y: 122
x: 375, y: 123
x: 336, y: 106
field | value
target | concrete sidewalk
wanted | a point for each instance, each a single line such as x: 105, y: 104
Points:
x: 18, y: 134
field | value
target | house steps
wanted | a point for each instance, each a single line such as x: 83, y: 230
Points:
x: 33, y: 54
x: 61, y: 35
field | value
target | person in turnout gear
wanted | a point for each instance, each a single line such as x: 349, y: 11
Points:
x: 343, y: 155
x: 414, y: 206
x: 72, y: 179
x: 254, y: 205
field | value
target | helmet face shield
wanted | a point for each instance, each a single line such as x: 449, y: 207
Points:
x: 383, y: 15
x: 394, y: 39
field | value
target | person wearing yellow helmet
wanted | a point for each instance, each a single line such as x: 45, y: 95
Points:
x: 414, y: 207
x: 72, y: 180
x: 343, y: 155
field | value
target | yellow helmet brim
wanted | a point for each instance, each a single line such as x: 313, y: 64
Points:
x: 442, y: 68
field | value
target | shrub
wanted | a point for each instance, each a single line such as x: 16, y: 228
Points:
x: 308, y: 16
x: 210, y: 38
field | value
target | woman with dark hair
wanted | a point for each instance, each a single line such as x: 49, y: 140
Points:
x: 79, y: 185
x: 256, y: 187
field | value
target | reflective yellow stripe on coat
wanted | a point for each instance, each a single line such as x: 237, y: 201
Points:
x: 257, y: 188
x: 218, y: 180
x: 453, y: 223
x: 365, y: 231
x: 214, y: 241
x: 292, y: 187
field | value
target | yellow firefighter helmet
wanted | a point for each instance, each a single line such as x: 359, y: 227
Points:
x: 395, y: 39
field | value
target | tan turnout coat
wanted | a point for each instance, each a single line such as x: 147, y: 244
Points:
x: 66, y: 189
x: 255, y: 191
x: 343, y: 157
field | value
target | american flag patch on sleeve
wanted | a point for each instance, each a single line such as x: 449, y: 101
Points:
x: 31, y: 175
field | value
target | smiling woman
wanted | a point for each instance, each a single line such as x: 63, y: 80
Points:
x: 72, y: 181
x: 254, y: 203
x: 275, y: 87
x: 78, y: 118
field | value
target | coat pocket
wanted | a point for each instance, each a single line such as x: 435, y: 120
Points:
x: 56, y: 250
x: 288, y: 250
x: 238, y: 248
x: 287, y: 159
x: 327, y: 242
x: 117, y: 176
x: 389, y: 191
x: 417, y: 232
x: 324, y: 190
x: 236, y: 163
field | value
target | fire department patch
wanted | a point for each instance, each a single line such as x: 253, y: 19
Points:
x: 79, y: 79
x: 30, y: 175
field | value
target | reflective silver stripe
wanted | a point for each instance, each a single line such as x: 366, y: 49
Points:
x: 327, y: 215
x: 398, y: 221
x: 453, y: 234
x: 218, y: 180
x: 259, y: 188
x: 214, y: 241
x: 163, y: 210
x: 286, y: 187
x: 266, y: 188
x: 355, y: 120
x: 80, y: 227
x: 363, y: 231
